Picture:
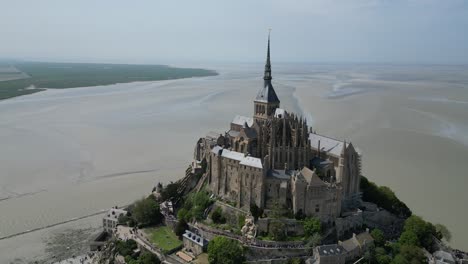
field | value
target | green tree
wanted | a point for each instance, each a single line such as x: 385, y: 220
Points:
x: 170, y: 192
x: 314, y: 240
x: 148, y: 258
x: 217, y: 216
x: 381, y: 256
x: 312, y: 225
x: 378, y: 237
x: 225, y: 250
x: 196, y: 203
x: 443, y: 232
x: 146, y: 212
x: 255, y: 211
x: 277, y: 231
x: 180, y: 228
x: 183, y: 214
x: 408, y: 237
x: 300, y: 215
x: 422, y: 229
x: 409, y: 255
x: 125, y: 248
x: 383, y: 197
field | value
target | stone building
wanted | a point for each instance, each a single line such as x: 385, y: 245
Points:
x: 194, y: 243
x: 274, y: 158
x: 111, y: 219
x: 329, y: 254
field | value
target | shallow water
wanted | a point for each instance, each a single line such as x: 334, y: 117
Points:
x: 73, y: 152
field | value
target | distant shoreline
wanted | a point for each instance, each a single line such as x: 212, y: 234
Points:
x: 48, y: 75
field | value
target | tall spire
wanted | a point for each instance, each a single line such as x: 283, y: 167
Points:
x: 267, y: 75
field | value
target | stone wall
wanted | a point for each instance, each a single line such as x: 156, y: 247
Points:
x: 231, y: 213
x: 345, y: 225
x: 293, y: 227
x: 255, y: 253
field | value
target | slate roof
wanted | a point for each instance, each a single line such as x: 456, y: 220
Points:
x: 241, y: 120
x: 267, y: 94
x: 328, y: 145
x: 330, y: 250
x: 243, y: 160
x: 195, y: 238
x: 280, y: 174
x: 311, y: 177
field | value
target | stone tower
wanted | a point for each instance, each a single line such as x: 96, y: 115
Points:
x: 266, y: 101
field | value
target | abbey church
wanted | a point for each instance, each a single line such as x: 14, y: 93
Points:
x: 274, y: 159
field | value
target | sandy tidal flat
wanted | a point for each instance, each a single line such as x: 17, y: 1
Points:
x: 74, y: 152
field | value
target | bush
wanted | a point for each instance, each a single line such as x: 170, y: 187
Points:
x: 443, y: 232
x: 241, y: 221
x: 217, y: 216
x: 300, y: 215
x: 225, y: 250
x: 148, y: 258
x: 312, y: 225
x: 378, y: 237
x: 125, y: 248
x: 255, y: 211
x: 170, y: 192
x: 422, y: 230
x: 277, y: 231
x: 196, y: 204
x: 180, y: 228
x: 183, y: 214
x: 383, y: 197
x: 295, y: 261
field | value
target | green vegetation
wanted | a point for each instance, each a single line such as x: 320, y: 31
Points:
x: 312, y: 225
x: 295, y: 261
x: 145, y: 258
x: 126, y: 248
x: 163, y: 238
x: 255, y: 211
x: 180, y: 228
x: 424, y: 231
x: 217, y: 216
x: 383, y: 197
x: 241, y: 221
x: 277, y: 231
x: 171, y: 192
x: 417, y: 234
x: 195, y: 206
x: 146, y: 212
x: 225, y: 250
x: 378, y: 236
x: 69, y: 75
x: 443, y: 232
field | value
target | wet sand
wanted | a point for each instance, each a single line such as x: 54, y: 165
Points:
x: 73, y: 152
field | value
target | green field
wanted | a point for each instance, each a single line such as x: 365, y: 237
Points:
x: 163, y: 238
x: 70, y: 75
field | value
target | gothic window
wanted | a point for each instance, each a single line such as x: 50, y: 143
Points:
x: 317, y: 208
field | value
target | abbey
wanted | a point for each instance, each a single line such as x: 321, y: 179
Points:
x: 274, y: 159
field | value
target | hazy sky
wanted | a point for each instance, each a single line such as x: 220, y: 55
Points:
x: 397, y: 31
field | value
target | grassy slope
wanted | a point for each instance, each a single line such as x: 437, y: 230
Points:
x: 69, y: 75
x: 163, y: 238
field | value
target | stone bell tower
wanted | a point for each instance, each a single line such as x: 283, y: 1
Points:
x: 266, y: 101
